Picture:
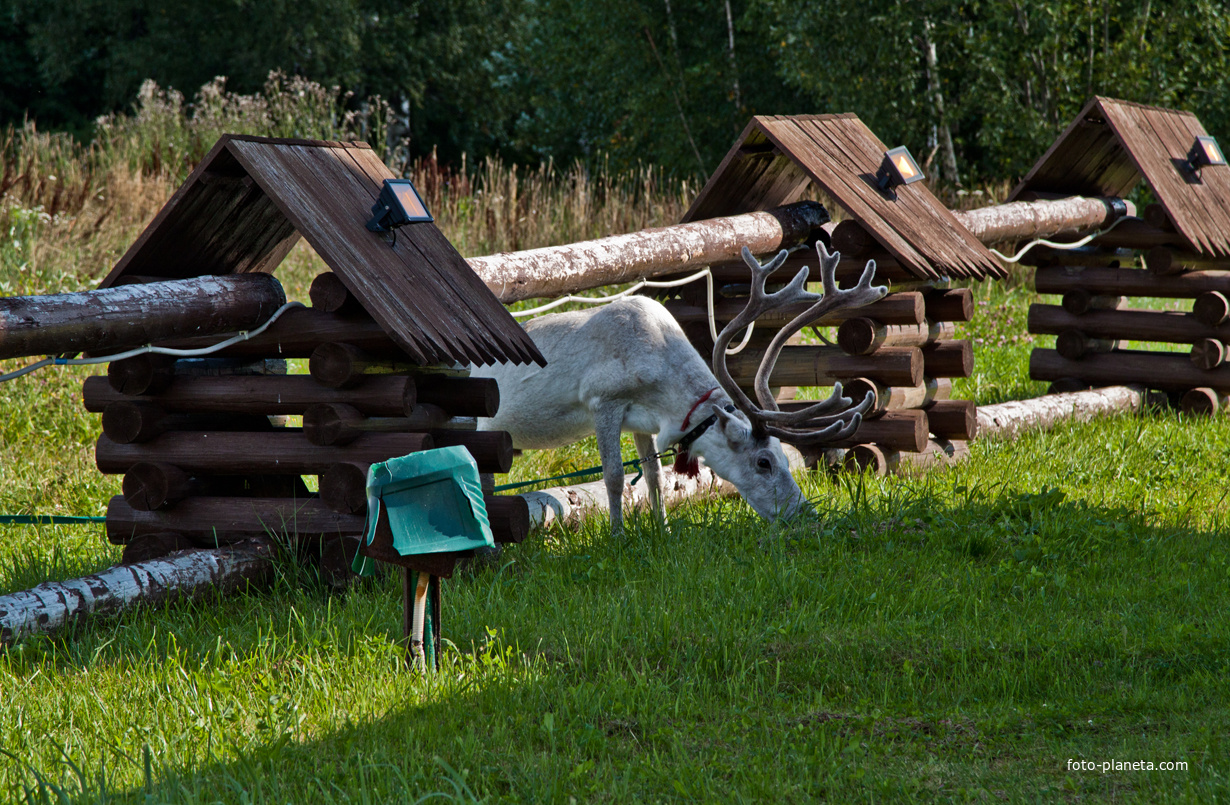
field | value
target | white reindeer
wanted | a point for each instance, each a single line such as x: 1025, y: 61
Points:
x: 627, y: 366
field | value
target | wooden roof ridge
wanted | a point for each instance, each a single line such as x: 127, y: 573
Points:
x: 1113, y: 144
x: 250, y: 199
x: 778, y: 156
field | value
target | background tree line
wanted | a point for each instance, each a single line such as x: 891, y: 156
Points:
x: 977, y: 87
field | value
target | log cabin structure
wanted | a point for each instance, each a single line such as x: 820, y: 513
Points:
x: 903, y: 347
x: 1178, y: 249
x: 202, y: 444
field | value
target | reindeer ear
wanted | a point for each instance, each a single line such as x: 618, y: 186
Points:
x: 734, y: 428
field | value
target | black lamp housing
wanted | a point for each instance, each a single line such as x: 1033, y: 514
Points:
x: 1205, y: 151
x: 399, y: 204
x: 898, y: 167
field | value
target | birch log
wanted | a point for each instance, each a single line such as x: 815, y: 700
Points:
x: 52, y: 606
x: 560, y: 270
x: 1023, y: 220
x: 1010, y: 419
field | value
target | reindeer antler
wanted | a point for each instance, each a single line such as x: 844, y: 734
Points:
x: 829, y: 420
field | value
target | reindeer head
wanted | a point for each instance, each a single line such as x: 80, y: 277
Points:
x: 752, y: 458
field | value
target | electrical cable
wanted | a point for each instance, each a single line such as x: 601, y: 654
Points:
x: 1062, y: 246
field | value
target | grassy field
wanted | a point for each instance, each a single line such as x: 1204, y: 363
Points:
x: 968, y: 635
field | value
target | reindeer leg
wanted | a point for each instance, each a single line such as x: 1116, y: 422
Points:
x: 646, y: 451
x: 608, y: 421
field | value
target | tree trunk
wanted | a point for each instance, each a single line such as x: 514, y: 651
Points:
x: 1008, y: 420
x: 113, y: 319
x: 560, y: 270
x: 1026, y: 220
x: 51, y: 606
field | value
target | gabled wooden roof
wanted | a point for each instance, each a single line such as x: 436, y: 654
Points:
x: 1113, y: 144
x: 250, y: 199
x: 776, y: 157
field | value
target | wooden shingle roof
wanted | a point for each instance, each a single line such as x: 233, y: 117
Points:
x: 1114, y: 144
x: 250, y: 200
x: 776, y: 158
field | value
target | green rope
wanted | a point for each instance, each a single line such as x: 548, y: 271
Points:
x: 591, y: 471
x: 47, y: 519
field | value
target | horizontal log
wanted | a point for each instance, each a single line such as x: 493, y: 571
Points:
x: 1130, y: 282
x: 1044, y: 218
x: 329, y: 294
x: 333, y: 423
x: 1204, y: 402
x: 1208, y: 353
x: 1081, y: 301
x: 1166, y: 326
x: 154, y: 546
x: 460, y: 396
x: 559, y: 270
x: 875, y: 459
x: 1164, y: 261
x: 820, y: 366
x: 864, y: 336
x: 1171, y: 371
x: 952, y: 304
x: 133, y: 315
x: 150, y: 486
x: 898, y: 308
x: 509, y: 516
x: 1136, y: 233
x: 894, y: 398
x: 897, y: 430
x: 1083, y: 257
x: 341, y: 366
x: 1009, y: 420
x: 948, y: 359
x: 53, y: 605
x: 849, y: 270
x: 1211, y: 308
x: 288, y: 394
x: 220, y: 453
x: 491, y: 449
x: 222, y: 520
x: 132, y: 421
x: 1074, y: 344
x: 298, y: 332
x: 952, y: 419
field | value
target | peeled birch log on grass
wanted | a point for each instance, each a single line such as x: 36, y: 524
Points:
x: 112, y: 319
x: 1010, y: 419
x: 54, y: 605
x: 560, y: 270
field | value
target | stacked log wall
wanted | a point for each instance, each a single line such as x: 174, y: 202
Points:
x: 206, y: 456
x: 1094, y: 319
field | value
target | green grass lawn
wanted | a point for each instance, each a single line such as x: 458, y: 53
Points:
x: 960, y: 636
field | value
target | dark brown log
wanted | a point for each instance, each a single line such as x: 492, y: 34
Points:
x: 1204, y: 402
x: 141, y: 374
x: 1158, y: 370
x: 1155, y: 215
x: 138, y: 420
x: 133, y: 315
x: 954, y: 304
x: 820, y: 366
x: 222, y: 520
x: 1208, y: 353
x: 334, y: 423
x: 894, y: 398
x: 1172, y: 327
x: 1211, y: 308
x: 898, y: 308
x: 1074, y: 344
x: 154, y: 546
x: 297, y: 332
x: 50, y: 606
x: 341, y: 366
x: 896, y: 430
x: 1164, y: 261
x: 336, y: 559
x: 1067, y: 384
x: 1081, y: 301
x: 1130, y: 282
x: 220, y: 453
x: 509, y: 516
x: 330, y: 295
x: 953, y: 419
x: 849, y: 269
x: 948, y: 359
x: 343, y: 488
x: 559, y: 270
x: 863, y: 336
x: 1086, y: 257
x: 852, y: 239
x: 289, y: 394
x: 150, y: 485
x: 492, y: 449
x: 937, y: 454
x: 1136, y: 233
x: 460, y: 396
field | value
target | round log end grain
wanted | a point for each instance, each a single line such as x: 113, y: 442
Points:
x: 150, y: 485
x: 343, y: 488
x: 1211, y: 308
x: 1202, y: 402
x: 327, y: 424
x: 333, y: 364
x: 866, y: 458
x: 145, y: 547
x: 141, y: 374
x: 329, y: 294
x: 857, y: 336
x: 1208, y: 353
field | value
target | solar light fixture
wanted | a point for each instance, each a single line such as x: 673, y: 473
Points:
x: 399, y: 204
x: 1205, y: 151
x: 897, y: 168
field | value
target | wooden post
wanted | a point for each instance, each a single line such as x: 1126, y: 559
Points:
x: 948, y: 359
x: 113, y: 319
x: 955, y: 304
x: 953, y: 419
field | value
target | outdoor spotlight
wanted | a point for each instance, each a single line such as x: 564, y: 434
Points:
x: 399, y: 204
x: 1205, y: 151
x: 897, y: 168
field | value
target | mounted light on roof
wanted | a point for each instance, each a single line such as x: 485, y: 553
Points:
x: 897, y: 168
x: 399, y: 204
x: 1205, y: 151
